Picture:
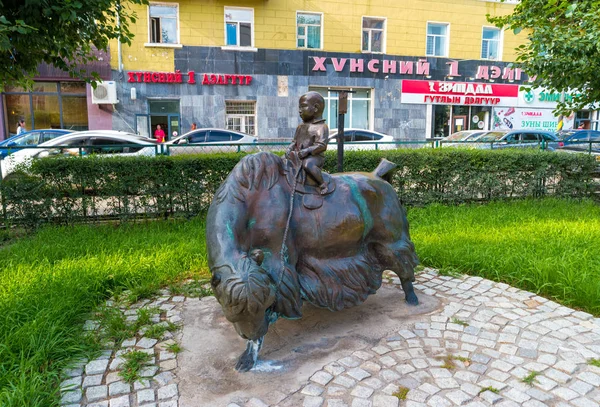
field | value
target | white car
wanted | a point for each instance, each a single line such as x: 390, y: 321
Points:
x: 105, y: 142
x: 362, y: 139
x: 211, y: 141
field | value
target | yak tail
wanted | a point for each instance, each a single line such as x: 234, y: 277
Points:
x: 385, y: 170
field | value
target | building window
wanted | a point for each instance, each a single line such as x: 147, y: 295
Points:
x: 240, y: 115
x: 373, y: 34
x: 239, y: 27
x: 437, y: 40
x: 490, y: 43
x: 309, y: 30
x: 359, y: 114
x: 163, y: 23
x: 50, y: 105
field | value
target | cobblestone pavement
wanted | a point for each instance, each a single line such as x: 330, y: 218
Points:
x: 490, y: 345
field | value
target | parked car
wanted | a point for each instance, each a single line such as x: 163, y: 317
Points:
x: 363, y: 139
x: 29, y: 138
x: 516, y: 139
x: 211, y: 141
x: 580, y: 141
x: 464, y: 135
x: 105, y: 142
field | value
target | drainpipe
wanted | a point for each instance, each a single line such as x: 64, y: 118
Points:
x: 119, y: 46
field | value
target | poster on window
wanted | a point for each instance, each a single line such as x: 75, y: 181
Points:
x: 510, y: 118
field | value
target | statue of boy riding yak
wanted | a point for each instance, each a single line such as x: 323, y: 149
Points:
x: 280, y: 231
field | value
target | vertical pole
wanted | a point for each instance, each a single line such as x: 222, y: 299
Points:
x: 342, y: 109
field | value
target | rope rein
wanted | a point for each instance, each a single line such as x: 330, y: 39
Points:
x: 284, y: 250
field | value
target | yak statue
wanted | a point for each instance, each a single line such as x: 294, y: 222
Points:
x: 274, y: 242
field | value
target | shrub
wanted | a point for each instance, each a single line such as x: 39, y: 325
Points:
x: 68, y: 190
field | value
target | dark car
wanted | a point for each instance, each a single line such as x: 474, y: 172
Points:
x: 579, y: 140
x: 517, y: 139
x: 29, y: 138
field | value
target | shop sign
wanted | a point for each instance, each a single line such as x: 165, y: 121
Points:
x: 458, y: 93
x: 420, y: 67
x: 177, y: 77
x: 539, y: 97
x: 530, y: 119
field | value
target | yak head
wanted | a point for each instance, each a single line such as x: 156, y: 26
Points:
x: 246, y: 295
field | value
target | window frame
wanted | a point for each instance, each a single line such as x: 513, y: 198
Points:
x: 177, y: 44
x: 329, y: 115
x: 242, y: 117
x: 447, y: 37
x: 237, y: 46
x: 322, y: 26
x: 500, y: 43
x: 383, y: 30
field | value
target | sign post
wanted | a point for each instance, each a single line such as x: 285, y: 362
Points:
x: 342, y: 109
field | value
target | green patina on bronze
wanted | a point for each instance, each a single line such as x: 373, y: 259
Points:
x: 362, y: 204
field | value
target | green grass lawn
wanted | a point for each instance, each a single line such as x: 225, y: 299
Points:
x: 50, y: 282
x: 550, y: 247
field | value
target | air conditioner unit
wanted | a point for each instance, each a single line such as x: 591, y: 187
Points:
x: 105, y: 92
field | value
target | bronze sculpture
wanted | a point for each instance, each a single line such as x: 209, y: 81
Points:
x: 276, y: 238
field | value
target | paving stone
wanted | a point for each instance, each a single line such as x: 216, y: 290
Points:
x: 111, y: 377
x: 72, y: 396
x: 122, y: 401
x: 437, y: 401
x: 358, y: 373
x: 312, y: 390
x: 490, y: 397
x: 344, y: 381
x: 72, y: 383
x: 350, y: 361
x: 581, y: 387
x: 146, y: 343
x: 97, y: 404
x: 334, y: 369
x: 96, y: 367
x: 459, y: 397
x: 362, y: 392
x: 321, y: 378
x: 167, y: 392
x: 516, y: 395
x: 389, y: 375
x: 361, y: 403
x: 148, y: 371
x: 117, y: 388
x: 96, y: 393
x: 589, y: 377
x: 145, y: 396
x: 557, y: 375
x: 336, y: 403
x: 254, y: 402
x: 565, y: 393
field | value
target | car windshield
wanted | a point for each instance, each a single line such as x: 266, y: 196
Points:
x: 491, y: 136
x: 458, y: 136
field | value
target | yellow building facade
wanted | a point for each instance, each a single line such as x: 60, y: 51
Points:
x: 202, y: 23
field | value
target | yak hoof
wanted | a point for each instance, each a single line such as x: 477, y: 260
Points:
x: 409, y: 292
x: 248, y: 359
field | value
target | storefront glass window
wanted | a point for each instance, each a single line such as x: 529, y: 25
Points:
x: 75, y: 113
x: 49, y: 105
x: 17, y: 108
x: 45, y: 87
x: 46, y: 112
x: 359, y: 108
x: 441, y: 120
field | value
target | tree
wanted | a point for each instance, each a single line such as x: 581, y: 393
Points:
x: 63, y: 33
x: 563, y: 48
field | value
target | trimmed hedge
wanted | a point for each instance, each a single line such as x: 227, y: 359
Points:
x: 69, y: 190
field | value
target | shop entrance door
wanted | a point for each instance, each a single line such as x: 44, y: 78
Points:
x: 459, y: 123
x: 162, y: 112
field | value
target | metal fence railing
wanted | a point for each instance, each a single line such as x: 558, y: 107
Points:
x: 153, y: 149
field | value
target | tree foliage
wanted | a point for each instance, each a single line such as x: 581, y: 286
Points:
x: 563, y: 48
x: 63, y: 33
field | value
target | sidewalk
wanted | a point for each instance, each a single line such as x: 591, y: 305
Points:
x: 480, y: 344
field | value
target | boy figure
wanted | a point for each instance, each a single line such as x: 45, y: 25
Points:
x: 311, y: 138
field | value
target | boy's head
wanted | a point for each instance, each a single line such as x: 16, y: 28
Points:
x: 311, y: 106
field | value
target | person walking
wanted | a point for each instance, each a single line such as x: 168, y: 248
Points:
x: 159, y: 134
x: 21, y: 127
x: 194, y: 127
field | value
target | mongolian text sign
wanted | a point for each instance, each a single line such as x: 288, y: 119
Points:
x: 458, y: 93
x: 177, y: 77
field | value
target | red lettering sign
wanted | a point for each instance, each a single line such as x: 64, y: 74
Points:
x: 176, y: 77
